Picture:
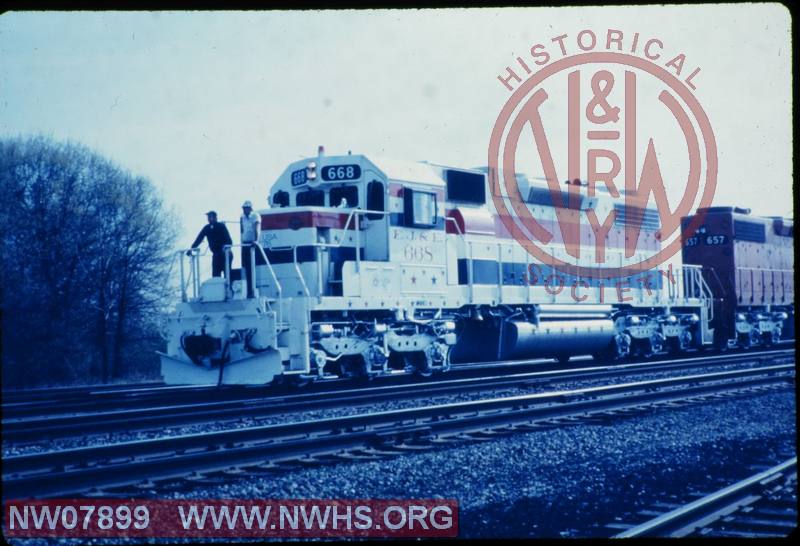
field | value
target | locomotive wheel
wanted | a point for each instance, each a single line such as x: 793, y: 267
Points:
x: 681, y: 343
x: 750, y: 339
x: 373, y: 361
x: 423, y: 371
x: 418, y: 364
x: 743, y: 341
x: 618, y: 349
x: 686, y: 340
x: 772, y: 338
x: 720, y: 343
x: 621, y: 346
x: 364, y: 369
x: 654, y: 345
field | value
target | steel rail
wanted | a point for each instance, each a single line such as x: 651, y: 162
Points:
x: 47, y: 401
x: 80, y: 469
x: 57, y: 426
x: 26, y: 395
x: 136, y: 398
x: 53, y: 395
x: 684, y: 520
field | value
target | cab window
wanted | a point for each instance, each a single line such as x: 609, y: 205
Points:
x: 281, y: 199
x: 348, y: 194
x: 375, y: 199
x: 310, y: 198
x: 419, y: 208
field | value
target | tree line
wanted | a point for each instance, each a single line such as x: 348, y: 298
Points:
x: 86, y: 252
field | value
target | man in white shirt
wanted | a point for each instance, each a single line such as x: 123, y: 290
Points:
x: 250, y: 229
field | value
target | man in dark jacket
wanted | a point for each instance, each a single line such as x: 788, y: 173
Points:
x: 217, y: 235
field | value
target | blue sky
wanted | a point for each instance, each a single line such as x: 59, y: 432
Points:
x: 213, y: 106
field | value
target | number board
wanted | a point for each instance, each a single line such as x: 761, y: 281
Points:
x: 713, y: 240
x: 341, y: 172
x: 299, y: 177
x: 710, y: 240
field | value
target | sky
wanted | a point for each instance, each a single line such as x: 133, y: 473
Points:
x: 212, y: 106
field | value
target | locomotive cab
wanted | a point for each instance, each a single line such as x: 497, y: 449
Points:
x: 344, y: 212
x: 749, y: 262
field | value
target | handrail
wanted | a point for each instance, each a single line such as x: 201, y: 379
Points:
x: 169, y: 275
x: 300, y: 273
x: 470, y: 288
x: 253, y: 246
x: 297, y: 269
x: 354, y: 213
x: 455, y: 223
x: 699, y: 288
x: 278, y: 287
x: 194, y: 273
x: 228, y: 258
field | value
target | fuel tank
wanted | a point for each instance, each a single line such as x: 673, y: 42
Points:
x: 555, y: 338
x: 481, y: 341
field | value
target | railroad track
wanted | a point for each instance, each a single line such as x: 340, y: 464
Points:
x: 47, y: 402
x: 108, y: 400
x: 65, y: 393
x: 116, y: 468
x: 18, y: 430
x: 73, y: 398
x: 763, y: 505
x: 107, y: 397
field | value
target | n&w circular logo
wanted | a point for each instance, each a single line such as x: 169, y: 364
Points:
x: 619, y: 148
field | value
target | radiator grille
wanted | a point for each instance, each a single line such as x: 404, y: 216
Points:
x: 627, y: 215
x: 749, y: 231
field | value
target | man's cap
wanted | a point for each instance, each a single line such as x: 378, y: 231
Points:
x: 247, y: 204
x: 209, y: 213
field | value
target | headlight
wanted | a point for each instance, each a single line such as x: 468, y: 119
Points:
x: 740, y: 317
x: 311, y: 171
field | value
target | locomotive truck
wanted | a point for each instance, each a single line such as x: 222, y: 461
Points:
x: 369, y: 266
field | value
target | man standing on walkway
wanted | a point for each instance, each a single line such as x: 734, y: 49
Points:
x: 217, y: 235
x: 250, y: 227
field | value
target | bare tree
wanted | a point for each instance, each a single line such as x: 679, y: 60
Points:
x: 85, y: 256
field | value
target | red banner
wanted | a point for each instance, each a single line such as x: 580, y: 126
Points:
x: 134, y: 518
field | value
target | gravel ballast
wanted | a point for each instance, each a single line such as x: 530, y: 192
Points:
x: 119, y: 436
x: 562, y: 482
x: 568, y: 481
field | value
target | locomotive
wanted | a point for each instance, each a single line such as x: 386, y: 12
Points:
x: 369, y: 266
